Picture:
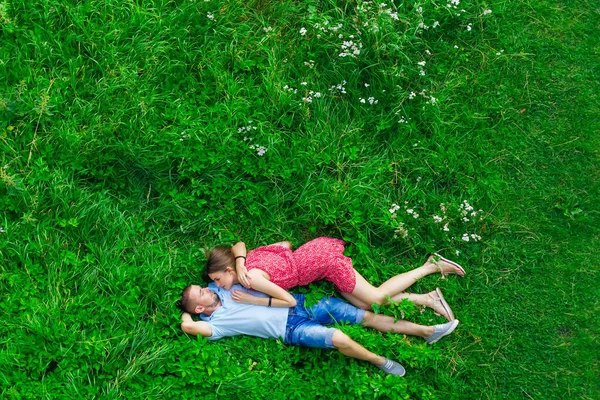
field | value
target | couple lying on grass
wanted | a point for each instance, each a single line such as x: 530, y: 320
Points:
x: 227, y: 307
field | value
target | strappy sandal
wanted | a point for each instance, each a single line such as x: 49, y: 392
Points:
x: 440, y: 298
x: 440, y: 258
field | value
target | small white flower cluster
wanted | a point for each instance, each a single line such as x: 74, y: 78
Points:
x: 400, y: 231
x: 311, y: 94
x: 388, y: 11
x: 325, y: 27
x: 402, y: 120
x: 395, y: 207
x: 435, y: 24
x: 247, y: 129
x: 412, y: 212
x: 422, y: 64
x: 469, y: 27
x: 268, y: 29
x: 466, y: 237
x: 260, y: 150
x: 371, y: 100
x: 210, y: 16
x: 350, y: 48
x: 290, y: 89
x: 2, y: 230
x: 453, y: 3
x: 303, y: 31
x: 500, y: 52
x: 487, y: 12
x: 467, y: 210
x: 341, y: 87
x: 310, y: 64
x: 184, y: 136
x: 431, y: 100
x: 423, y: 93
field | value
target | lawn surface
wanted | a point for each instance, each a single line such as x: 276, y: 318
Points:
x: 134, y: 135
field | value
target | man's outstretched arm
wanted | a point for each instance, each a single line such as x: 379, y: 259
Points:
x: 191, y: 327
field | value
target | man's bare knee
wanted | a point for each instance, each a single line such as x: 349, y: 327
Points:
x: 340, y: 340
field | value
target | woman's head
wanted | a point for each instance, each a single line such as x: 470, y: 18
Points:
x: 220, y: 267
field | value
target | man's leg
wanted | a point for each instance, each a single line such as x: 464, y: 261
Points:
x: 350, y: 348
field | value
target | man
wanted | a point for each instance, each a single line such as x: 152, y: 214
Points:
x: 300, y: 325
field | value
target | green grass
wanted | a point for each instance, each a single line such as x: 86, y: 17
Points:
x: 122, y: 159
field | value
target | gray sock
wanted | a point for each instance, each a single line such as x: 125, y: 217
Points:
x: 392, y: 367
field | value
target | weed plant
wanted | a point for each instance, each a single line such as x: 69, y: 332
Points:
x: 134, y: 135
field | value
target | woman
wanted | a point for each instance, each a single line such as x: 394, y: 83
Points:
x: 275, y: 268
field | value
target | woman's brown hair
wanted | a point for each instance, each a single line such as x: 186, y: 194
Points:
x: 219, y: 258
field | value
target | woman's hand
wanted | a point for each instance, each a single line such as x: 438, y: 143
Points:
x: 243, y: 297
x: 243, y: 277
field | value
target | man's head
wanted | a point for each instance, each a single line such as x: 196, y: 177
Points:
x: 198, y: 300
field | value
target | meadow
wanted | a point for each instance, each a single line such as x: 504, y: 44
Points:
x: 137, y: 134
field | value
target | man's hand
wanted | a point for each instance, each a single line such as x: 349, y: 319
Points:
x: 189, y: 326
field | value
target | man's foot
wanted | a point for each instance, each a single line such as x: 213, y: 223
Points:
x: 392, y: 367
x: 439, y: 331
x: 446, y: 266
x: 439, y: 305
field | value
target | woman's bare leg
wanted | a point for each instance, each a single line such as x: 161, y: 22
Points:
x: 430, y: 300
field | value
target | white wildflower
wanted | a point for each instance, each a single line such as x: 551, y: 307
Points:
x: 437, y: 219
x: 303, y: 31
x: 487, y: 12
x: 465, y: 237
x: 422, y: 63
x: 401, y: 230
x: 210, y: 16
x: 260, y: 150
x: 445, y: 228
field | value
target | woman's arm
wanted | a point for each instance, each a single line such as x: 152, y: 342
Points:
x: 239, y: 250
x: 280, y: 297
x: 286, y: 244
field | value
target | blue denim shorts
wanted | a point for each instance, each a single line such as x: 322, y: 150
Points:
x: 305, y: 324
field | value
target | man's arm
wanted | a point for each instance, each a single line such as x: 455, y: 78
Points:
x: 191, y: 327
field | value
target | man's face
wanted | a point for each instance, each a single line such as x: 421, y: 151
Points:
x: 223, y: 279
x: 204, y: 298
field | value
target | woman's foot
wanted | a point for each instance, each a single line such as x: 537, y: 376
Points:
x: 439, y: 305
x: 445, y: 266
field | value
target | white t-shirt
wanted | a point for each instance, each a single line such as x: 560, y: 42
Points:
x: 234, y: 318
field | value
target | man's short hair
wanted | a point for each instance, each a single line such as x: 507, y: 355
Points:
x: 186, y: 303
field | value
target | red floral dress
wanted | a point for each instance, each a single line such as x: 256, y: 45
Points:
x: 321, y: 258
